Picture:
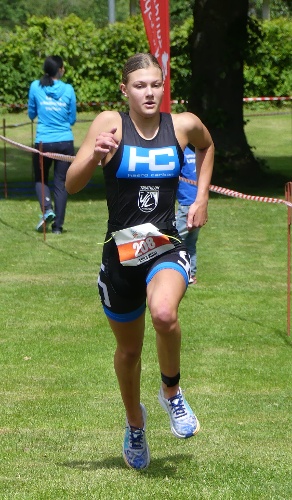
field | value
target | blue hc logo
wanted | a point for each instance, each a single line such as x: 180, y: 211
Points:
x: 138, y: 162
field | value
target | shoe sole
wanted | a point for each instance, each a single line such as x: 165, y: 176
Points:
x: 144, y: 413
x: 40, y: 226
x: 50, y: 218
x: 173, y: 430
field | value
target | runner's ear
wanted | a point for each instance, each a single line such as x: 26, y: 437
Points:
x: 123, y: 89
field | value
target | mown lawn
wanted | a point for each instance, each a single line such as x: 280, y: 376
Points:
x: 61, y: 417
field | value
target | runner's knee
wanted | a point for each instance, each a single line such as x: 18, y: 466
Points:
x: 129, y: 355
x: 164, y: 318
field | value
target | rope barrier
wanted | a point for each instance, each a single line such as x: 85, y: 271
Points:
x: 249, y: 99
x: 215, y: 189
x: 33, y: 150
x: 16, y: 125
x: 119, y: 103
x: 253, y: 99
x: 236, y: 194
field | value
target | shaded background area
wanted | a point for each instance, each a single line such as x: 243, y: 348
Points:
x: 269, y: 133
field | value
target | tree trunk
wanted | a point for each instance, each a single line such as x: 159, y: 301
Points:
x: 133, y: 8
x: 266, y: 10
x: 111, y: 11
x: 217, y: 54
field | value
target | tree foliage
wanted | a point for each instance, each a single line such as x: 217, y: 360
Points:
x: 278, y: 8
x: 268, y: 58
x: 93, y: 57
x: 16, y: 12
x: 217, y: 57
x: 181, y: 71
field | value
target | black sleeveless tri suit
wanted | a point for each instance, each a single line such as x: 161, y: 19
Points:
x: 141, y: 183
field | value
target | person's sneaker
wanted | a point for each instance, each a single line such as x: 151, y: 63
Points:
x: 135, y: 449
x: 45, y: 219
x: 56, y: 230
x: 193, y: 280
x: 183, y: 422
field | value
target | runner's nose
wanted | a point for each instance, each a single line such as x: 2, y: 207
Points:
x: 149, y: 92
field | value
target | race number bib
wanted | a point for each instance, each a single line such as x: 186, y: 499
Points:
x: 139, y: 244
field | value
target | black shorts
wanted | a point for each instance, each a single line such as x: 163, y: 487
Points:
x: 122, y: 289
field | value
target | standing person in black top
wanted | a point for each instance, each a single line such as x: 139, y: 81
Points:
x: 141, y: 154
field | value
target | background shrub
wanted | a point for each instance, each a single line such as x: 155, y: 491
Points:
x: 94, y: 57
x: 268, y: 66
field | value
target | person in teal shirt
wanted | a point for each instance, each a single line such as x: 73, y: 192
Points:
x: 53, y: 103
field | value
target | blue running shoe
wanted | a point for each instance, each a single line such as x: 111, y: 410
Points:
x: 46, y: 219
x: 135, y: 449
x: 183, y: 422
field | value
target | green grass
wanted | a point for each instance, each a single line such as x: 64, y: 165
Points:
x: 61, y: 416
x: 271, y: 139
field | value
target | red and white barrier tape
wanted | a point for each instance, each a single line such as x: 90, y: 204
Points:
x: 253, y: 99
x: 215, y: 189
x: 33, y: 150
x: 112, y: 103
x: 236, y: 194
x: 249, y: 99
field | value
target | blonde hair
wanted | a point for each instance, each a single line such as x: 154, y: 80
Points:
x: 140, y: 60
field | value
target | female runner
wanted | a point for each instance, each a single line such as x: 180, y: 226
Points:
x: 141, y: 154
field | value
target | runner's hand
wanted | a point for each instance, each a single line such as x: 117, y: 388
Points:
x: 105, y: 143
x: 197, y: 215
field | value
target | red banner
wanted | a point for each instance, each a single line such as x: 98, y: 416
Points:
x: 156, y: 21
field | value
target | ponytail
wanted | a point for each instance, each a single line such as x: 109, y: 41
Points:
x: 52, y: 66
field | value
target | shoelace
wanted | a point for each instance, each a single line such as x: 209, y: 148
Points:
x: 178, y: 408
x: 136, y: 438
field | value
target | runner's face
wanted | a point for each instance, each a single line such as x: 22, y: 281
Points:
x: 144, y: 90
